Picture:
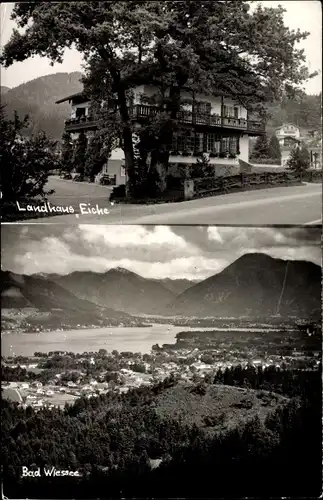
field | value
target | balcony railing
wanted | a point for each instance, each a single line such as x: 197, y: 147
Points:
x: 142, y: 112
x: 81, y: 122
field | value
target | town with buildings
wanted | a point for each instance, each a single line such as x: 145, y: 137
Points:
x: 56, y: 378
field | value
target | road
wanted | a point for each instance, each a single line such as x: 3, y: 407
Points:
x: 281, y: 205
x: 72, y: 193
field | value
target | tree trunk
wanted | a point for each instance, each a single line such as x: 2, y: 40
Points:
x: 127, y: 145
x: 160, y: 157
x: 129, y: 162
x: 159, y: 164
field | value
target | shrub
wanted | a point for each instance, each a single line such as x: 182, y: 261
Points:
x: 274, y: 148
x: 212, y: 421
x: 118, y: 192
x: 299, y: 159
x: 199, y: 389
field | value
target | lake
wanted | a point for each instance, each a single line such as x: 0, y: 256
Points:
x: 135, y: 339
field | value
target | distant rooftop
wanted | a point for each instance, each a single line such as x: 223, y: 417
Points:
x: 286, y: 124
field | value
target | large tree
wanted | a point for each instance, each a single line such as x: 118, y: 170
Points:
x: 202, y: 46
x: 26, y: 161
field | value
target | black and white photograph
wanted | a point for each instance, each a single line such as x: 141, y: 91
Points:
x: 161, y: 361
x: 161, y: 249
x: 162, y: 112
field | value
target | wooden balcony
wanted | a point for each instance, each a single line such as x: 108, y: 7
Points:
x: 82, y: 123
x: 143, y: 113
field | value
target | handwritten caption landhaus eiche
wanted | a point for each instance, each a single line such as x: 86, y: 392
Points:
x: 85, y: 209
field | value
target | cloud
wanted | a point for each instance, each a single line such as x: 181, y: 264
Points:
x: 153, y: 251
x: 124, y: 237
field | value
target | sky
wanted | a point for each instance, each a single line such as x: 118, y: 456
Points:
x: 303, y: 14
x: 176, y: 252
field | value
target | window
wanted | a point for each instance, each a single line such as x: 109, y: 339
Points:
x: 233, y: 144
x: 179, y: 142
x: 225, y: 142
x: 230, y: 144
x: 80, y: 112
x: 188, y: 141
x: 213, y: 143
x: 230, y: 111
x: 203, y: 107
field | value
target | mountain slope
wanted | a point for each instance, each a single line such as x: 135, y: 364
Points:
x: 304, y: 112
x: 255, y: 285
x: 176, y: 286
x: 37, y: 99
x: 21, y: 291
x: 118, y: 288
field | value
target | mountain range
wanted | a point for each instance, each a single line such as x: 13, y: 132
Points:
x: 37, y: 98
x: 122, y: 290
x: 37, y: 292
x: 255, y: 285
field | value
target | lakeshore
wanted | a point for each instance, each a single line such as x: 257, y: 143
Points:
x: 80, y: 340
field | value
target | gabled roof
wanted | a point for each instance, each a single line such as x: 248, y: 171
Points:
x: 284, y: 125
x: 79, y: 96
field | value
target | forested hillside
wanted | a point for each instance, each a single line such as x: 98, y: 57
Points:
x: 304, y: 112
x: 37, y: 98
